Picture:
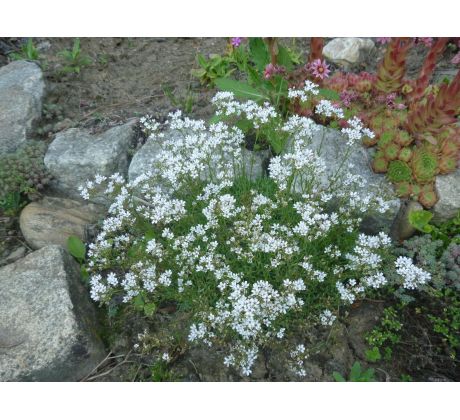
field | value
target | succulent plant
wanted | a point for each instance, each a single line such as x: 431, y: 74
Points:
x: 415, y: 190
x: 403, y: 189
x: 386, y: 138
x: 392, y: 151
x: 450, y: 261
x: 379, y: 165
x: 392, y: 69
x: 447, y: 164
x: 23, y: 172
x: 399, y: 171
x: 424, y: 165
x: 428, y: 196
x: 405, y: 154
x: 403, y: 138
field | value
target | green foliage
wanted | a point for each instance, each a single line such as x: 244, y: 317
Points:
x: 28, y: 51
x: 399, y: 171
x: 161, y: 372
x: 21, y: 174
x: 240, y: 89
x: 373, y: 354
x: 215, y: 67
x: 76, y: 248
x: 424, y: 164
x: 420, y: 220
x: 386, y: 335
x: 357, y: 374
x: 447, y: 324
x: 74, y: 60
x: 185, y: 101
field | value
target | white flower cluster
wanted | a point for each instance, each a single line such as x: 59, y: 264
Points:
x: 304, y: 94
x: 244, y: 263
x: 259, y: 115
x: 298, y: 356
x: 356, y: 131
x: 327, y: 109
x: 327, y: 318
x: 413, y: 276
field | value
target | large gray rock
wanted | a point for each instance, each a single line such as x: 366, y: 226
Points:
x: 76, y: 156
x: 332, y: 146
x: 21, y: 94
x: 51, y: 221
x: 47, y: 325
x: 448, y: 188
x: 144, y: 159
x: 347, y: 51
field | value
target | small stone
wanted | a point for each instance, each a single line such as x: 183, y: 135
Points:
x: 17, y: 254
x: 47, y: 325
x: 347, y: 51
x: 52, y: 220
x: 76, y: 156
x: 401, y: 229
x: 21, y: 94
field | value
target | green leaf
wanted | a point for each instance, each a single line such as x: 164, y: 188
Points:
x: 338, y: 377
x: 284, y: 58
x: 329, y: 94
x: 355, y: 372
x: 373, y: 354
x: 420, y: 220
x: 138, y: 303
x: 276, y: 141
x: 259, y: 53
x: 201, y: 60
x: 76, y: 247
x: 240, y: 89
x: 149, y: 309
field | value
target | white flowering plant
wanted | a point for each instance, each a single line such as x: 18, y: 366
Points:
x: 249, y: 258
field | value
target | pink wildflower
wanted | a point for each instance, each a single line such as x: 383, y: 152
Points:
x: 428, y: 42
x: 319, y: 68
x: 271, y: 70
x: 456, y: 58
x: 236, y: 41
x: 383, y: 40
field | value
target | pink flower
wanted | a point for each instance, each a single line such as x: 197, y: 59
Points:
x: 319, y: 68
x: 456, y: 59
x: 271, y: 70
x: 428, y: 42
x: 236, y: 41
x: 383, y: 40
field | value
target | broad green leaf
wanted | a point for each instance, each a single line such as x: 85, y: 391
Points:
x: 138, y: 303
x: 355, y: 372
x: 258, y: 53
x: 284, y: 58
x: 201, y: 60
x: 149, y: 309
x: 240, y: 89
x: 76, y: 247
x: 338, y: 377
x: 420, y: 220
x: 373, y: 354
x: 329, y: 94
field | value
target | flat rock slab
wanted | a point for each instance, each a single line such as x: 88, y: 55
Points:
x: 331, y: 145
x: 76, y: 156
x: 52, y: 220
x: 448, y: 188
x: 21, y: 94
x: 47, y: 325
x: 347, y: 51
